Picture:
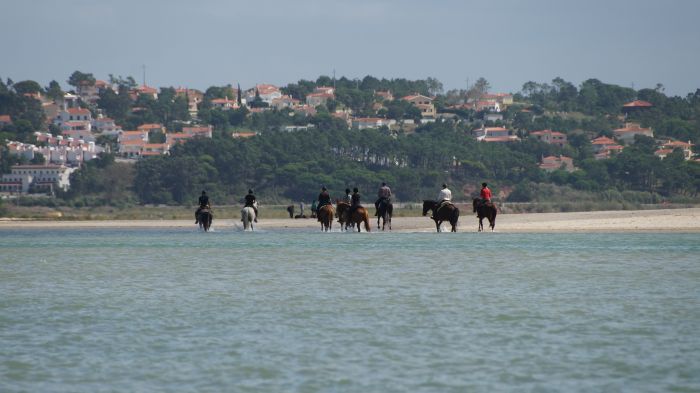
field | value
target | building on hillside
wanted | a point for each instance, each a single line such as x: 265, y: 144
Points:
x: 424, y: 103
x: 550, y: 137
x: 243, y: 134
x: 152, y: 127
x: 224, y: 103
x: 305, y: 110
x: 604, y: 147
x: 36, y: 178
x: 77, y: 130
x: 154, y: 149
x: 284, y: 102
x: 140, y: 135
x: 493, y: 117
x: 553, y: 163
x: 503, y: 99
x: 630, y: 130
x: 487, y: 105
x: 266, y: 92
x: 636, y: 106
x: 72, y: 114
x: 494, y: 134
x: 384, y: 95
x: 145, y: 90
x: 194, y: 97
x: 199, y: 131
x: 61, y: 149
x: 5, y: 120
x: 320, y: 98
x: 105, y: 126
x: 669, y: 146
x: 362, y: 123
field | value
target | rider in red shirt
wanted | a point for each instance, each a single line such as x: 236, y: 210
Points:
x: 485, y: 194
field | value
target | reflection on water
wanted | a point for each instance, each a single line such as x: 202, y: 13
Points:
x: 177, y: 310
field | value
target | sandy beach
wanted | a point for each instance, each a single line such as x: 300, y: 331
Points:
x: 666, y: 220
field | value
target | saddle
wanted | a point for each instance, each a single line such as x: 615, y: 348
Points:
x: 443, y: 204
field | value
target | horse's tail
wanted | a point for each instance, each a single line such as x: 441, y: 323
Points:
x: 366, y: 220
x: 455, y: 216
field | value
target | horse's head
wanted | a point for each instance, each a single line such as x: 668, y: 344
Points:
x: 427, y: 205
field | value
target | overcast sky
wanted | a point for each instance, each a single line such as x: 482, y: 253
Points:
x: 216, y: 42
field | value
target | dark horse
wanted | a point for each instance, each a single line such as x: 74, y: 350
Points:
x: 484, y: 210
x: 358, y: 217
x: 384, y: 212
x: 325, y: 217
x: 205, y: 218
x: 446, y: 213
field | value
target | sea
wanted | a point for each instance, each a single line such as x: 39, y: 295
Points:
x: 178, y: 310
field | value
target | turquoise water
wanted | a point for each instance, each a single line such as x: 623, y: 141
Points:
x: 284, y: 311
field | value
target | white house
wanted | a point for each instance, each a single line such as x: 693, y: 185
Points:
x: 36, y: 177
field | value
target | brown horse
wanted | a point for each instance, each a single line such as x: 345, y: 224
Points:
x: 205, y: 218
x: 325, y: 216
x: 384, y: 212
x: 484, y: 210
x: 359, y: 216
x: 446, y: 213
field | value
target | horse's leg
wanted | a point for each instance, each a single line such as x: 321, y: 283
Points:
x: 437, y: 225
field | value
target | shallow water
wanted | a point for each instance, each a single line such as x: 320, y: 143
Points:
x: 176, y: 310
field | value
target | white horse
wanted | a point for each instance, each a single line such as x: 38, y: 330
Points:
x: 248, y: 217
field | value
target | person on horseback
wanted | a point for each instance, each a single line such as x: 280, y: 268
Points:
x: 384, y: 194
x: 348, y: 196
x: 485, y: 194
x: 444, y: 198
x: 250, y: 201
x: 203, y: 204
x: 324, y: 198
x: 354, y: 201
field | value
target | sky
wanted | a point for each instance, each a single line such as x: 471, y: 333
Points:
x: 197, y: 44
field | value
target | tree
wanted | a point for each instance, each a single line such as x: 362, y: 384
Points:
x: 78, y: 78
x: 480, y: 87
x: 434, y: 86
x: 27, y: 87
x: 54, y: 91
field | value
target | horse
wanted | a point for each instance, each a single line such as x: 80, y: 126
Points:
x: 205, y: 218
x: 446, y: 213
x: 325, y: 216
x: 358, y: 217
x: 248, y: 217
x: 384, y: 212
x: 484, y: 210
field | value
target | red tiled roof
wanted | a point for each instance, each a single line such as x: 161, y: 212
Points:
x: 638, y: 104
x: 543, y: 132
x: 78, y: 111
x: 603, y: 140
x: 149, y: 126
x: 5, y: 119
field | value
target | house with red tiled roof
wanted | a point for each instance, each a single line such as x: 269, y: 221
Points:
x: 224, y: 103
x: 243, y: 134
x: 5, y: 120
x: 669, y: 146
x: 553, y: 163
x: 152, y: 127
x: 266, y: 92
x: 504, y: 99
x: 494, y: 134
x: 316, y: 99
x: 384, y: 95
x: 285, y: 101
x: 424, y: 103
x: 550, y: 137
x: 604, y: 147
x: 198, y: 131
x: 630, y: 130
x: 72, y: 114
x: 145, y: 90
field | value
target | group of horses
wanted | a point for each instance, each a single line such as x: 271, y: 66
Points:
x: 360, y: 216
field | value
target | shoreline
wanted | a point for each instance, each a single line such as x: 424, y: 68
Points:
x: 662, y: 220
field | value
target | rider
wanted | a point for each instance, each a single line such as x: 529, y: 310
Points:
x: 354, y: 201
x: 485, y: 194
x: 324, y: 198
x: 384, y: 194
x: 250, y: 201
x: 444, y: 197
x: 203, y: 204
x: 348, y: 196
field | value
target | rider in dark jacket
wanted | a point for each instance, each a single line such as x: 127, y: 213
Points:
x: 203, y: 204
x: 250, y: 202
x: 354, y: 201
